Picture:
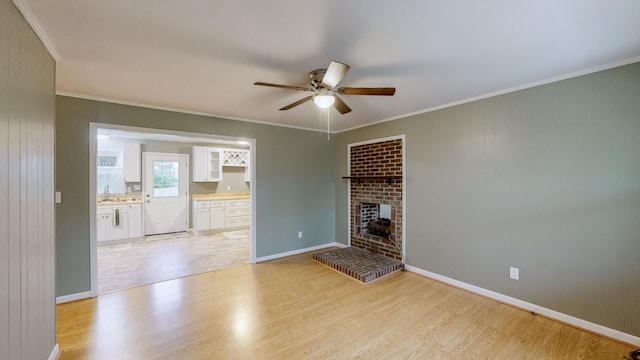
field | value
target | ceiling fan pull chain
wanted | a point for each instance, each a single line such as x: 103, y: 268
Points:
x: 328, y: 134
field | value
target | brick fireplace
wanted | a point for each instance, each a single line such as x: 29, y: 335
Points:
x: 376, y: 197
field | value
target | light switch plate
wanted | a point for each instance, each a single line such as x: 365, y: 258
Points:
x: 58, y: 197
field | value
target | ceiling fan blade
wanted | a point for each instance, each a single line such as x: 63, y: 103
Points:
x: 341, y: 106
x: 335, y: 73
x: 301, y: 101
x: 385, y: 91
x: 290, y: 87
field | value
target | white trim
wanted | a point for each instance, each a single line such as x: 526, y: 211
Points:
x: 505, y: 91
x: 93, y: 130
x: 55, y: 352
x: 300, y: 251
x: 252, y: 193
x: 93, y: 239
x: 373, y: 141
x: 28, y: 15
x: 404, y: 185
x: 73, y: 297
x: 568, y: 319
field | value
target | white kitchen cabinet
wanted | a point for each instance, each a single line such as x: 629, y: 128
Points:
x: 209, y: 215
x: 235, y: 157
x: 199, y: 163
x: 103, y: 220
x: 238, y: 213
x: 247, y: 174
x: 119, y: 229
x: 218, y: 217
x: 110, y: 226
x: 134, y: 218
x: 132, y: 163
x: 127, y: 225
x: 207, y: 164
x: 212, y: 215
x: 201, y: 221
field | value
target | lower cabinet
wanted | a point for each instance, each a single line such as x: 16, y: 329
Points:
x: 209, y: 215
x: 119, y: 222
x: 238, y: 213
x: 135, y: 220
x: 103, y: 221
x: 217, y: 217
x: 221, y: 214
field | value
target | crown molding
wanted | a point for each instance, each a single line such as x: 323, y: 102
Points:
x: 28, y: 15
x: 184, y: 111
x: 554, y: 79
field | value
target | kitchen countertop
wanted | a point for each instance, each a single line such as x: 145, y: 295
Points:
x: 220, y: 196
x: 119, y: 202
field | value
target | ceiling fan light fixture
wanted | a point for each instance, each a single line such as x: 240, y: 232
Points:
x: 324, y: 101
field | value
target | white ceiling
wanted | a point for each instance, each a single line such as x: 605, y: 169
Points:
x: 203, y: 56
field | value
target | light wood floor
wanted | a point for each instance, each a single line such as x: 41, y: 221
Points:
x: 170, y: 256
x: 295, y: 308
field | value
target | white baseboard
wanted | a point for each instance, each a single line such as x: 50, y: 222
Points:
x: 299, y: 251
x: 568, y: 319
x: 73, y: 297
x: 55, y: 352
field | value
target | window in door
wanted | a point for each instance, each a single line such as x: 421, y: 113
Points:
x: 166, y: 178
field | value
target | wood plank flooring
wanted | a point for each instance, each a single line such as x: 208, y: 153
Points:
x: 295, y: 308
x: 169, y: 256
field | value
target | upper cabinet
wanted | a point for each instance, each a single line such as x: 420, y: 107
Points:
x: 235, y: 157
x: 207, y: 164
x: 131, y: 159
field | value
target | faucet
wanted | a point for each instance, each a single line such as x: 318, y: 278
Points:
x: 106, y: 192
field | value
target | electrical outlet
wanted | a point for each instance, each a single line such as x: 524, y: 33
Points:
x: 299, y: 234
x: 228, y: 187
x: 514, y: 273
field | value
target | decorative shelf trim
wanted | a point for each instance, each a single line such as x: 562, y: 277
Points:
x: 360, y: 178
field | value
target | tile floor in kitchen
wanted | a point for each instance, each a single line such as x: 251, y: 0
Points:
x: 163, y: 257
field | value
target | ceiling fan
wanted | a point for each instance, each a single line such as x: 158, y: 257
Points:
x: 323, y: 86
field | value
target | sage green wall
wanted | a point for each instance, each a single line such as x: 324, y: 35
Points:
x: 545, y: 179
x: 294, y: 190
x: 27, y: 126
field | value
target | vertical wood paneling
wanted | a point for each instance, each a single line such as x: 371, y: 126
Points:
x: 27, y: 110
x: 4, y: 180
x: 16, y: 332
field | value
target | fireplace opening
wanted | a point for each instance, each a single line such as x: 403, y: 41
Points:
x: 376, y: 219
x: 379, y: 227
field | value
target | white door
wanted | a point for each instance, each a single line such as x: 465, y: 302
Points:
x: 165, y: 192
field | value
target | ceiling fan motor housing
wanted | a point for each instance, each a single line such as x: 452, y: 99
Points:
x: 316, y: 76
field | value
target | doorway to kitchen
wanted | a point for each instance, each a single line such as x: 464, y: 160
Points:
x: 160, y: 246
